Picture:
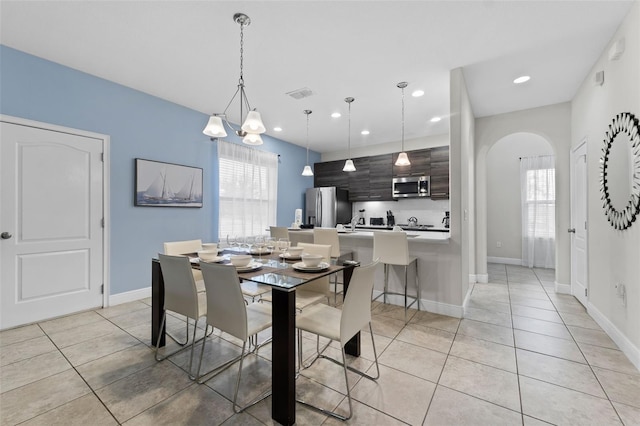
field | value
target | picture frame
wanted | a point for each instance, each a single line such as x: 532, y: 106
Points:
x: 160, y: 184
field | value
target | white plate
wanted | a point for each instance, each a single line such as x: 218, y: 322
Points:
x: 250, y: 267
x: 289, y: 256
x: 300, y: 267
x: 216, y: 259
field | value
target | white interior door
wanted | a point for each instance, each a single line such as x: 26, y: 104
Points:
x: 51, y: 250
x: 579, y: 266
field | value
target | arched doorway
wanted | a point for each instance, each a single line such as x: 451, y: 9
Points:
x: 503, y: 194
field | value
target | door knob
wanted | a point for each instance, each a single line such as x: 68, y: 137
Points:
x: 572, y: 230
x: 5, y: 235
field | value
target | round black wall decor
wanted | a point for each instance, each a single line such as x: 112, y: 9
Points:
x: 626, y: 125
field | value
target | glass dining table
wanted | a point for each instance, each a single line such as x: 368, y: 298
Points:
x: 283, y: 279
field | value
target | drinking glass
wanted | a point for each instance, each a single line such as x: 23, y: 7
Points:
x: 232, y: 241
x: 259, y: 244
x: 249, y: 242
x: 270, y: 244
x: 283, y: 246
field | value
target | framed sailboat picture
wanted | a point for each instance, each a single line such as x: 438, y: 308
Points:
x: 161, y: 184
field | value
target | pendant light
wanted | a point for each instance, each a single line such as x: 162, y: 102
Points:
x: 307, y: 169
x: 348, y: 165
x: 402, y: 160
x: 252, y: 126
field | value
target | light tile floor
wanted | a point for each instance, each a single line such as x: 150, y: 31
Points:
x: 523, y: 355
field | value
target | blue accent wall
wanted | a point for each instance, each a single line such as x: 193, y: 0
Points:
x: 140, y: 126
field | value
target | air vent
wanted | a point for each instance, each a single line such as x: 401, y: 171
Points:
x: 298, y: 94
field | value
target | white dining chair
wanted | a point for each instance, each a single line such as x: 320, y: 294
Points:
x: 341, y: 325
x: 330, y: 236
x: 278, y: 232
x: 227, y: 311
x: 175, y: 248
x: 392, y: 249
x: 182, y: 297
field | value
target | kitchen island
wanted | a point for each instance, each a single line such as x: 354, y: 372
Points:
x: 439, y: 279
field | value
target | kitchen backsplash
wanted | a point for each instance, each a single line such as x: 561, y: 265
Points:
x: 427, y: 211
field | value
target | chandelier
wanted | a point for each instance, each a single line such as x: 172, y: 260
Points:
x: 252, y: 126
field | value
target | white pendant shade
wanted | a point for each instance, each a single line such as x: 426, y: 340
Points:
x: 307, y: 171
x: 349, y: 166
x: 403, y: 160
x: 215, y: 128
x: 253, y: 123
x: 252, y: 139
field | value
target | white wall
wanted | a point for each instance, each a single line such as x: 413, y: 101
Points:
x: 553, y: 124
x: 613, y: 255
x: 462, y: 178
x: 504, y: 215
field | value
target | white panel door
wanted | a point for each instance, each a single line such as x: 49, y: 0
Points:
x: 51, y: 250
x: 579, y: 266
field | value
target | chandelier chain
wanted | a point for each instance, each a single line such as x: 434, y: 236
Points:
x: 241, y: 53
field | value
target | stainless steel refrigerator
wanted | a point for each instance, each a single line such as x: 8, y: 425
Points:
x: 327, y: 206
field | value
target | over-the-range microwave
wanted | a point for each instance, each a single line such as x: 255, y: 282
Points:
x: 414, y: 186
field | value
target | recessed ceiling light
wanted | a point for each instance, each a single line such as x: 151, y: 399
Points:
x: 417, y: 93
x: 435, y: 119
x: 364, y: 132
x: 522, y: 79
x: 277, y: 129
x: 336, y: 115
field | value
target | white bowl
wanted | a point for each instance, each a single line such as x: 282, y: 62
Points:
x: 311, y: 260
x: 208, y: 255
x: 294, y: 251
x: 240, y: 260
x: 210, y: 246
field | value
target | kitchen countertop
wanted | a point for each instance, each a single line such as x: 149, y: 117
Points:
x: 418, y: 228
x: 433, y: 236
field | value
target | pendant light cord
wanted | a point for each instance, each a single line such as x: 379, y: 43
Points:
x: 402, y: 119
x: 349, y: 134
x: 308, y: 136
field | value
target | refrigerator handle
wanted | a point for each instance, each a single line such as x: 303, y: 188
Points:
x: 319, y: 208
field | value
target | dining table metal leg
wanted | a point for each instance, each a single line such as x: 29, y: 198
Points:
x: 283, y: 364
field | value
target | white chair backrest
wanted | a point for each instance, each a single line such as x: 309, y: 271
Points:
x: 225, y: 304
x: 356, y: 311
x: 321, y: 285
x: 180, y: 294
x: 182, y: 247
x: 297, y: 237
x: 328, y: 236
x: 323, y: 250
x: 278, y: 232
x: 391, y: 247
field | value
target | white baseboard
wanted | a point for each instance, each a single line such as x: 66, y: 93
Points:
x: 425, y: 305
x: 129, y: 296
x: 563, y: 288
x: 504, y: 260
x: 473, y: 278
x: 625, y: 345
x: 482, y: 278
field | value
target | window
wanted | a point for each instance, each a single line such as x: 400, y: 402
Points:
x: 541, y: 203
x: 248, y: 190
x: 538, y: 186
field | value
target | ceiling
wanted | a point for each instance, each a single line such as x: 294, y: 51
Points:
x: 188, y: 52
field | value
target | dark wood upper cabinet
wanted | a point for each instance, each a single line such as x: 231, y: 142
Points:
x: 440, y: 173
x: 420, y: 164
x: 359, y: 180
x: 380, y: 175
x: 329, y: 173
x: 372, y: 179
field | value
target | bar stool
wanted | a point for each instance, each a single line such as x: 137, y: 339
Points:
x: 392, y: 248
x: 330, y: 236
